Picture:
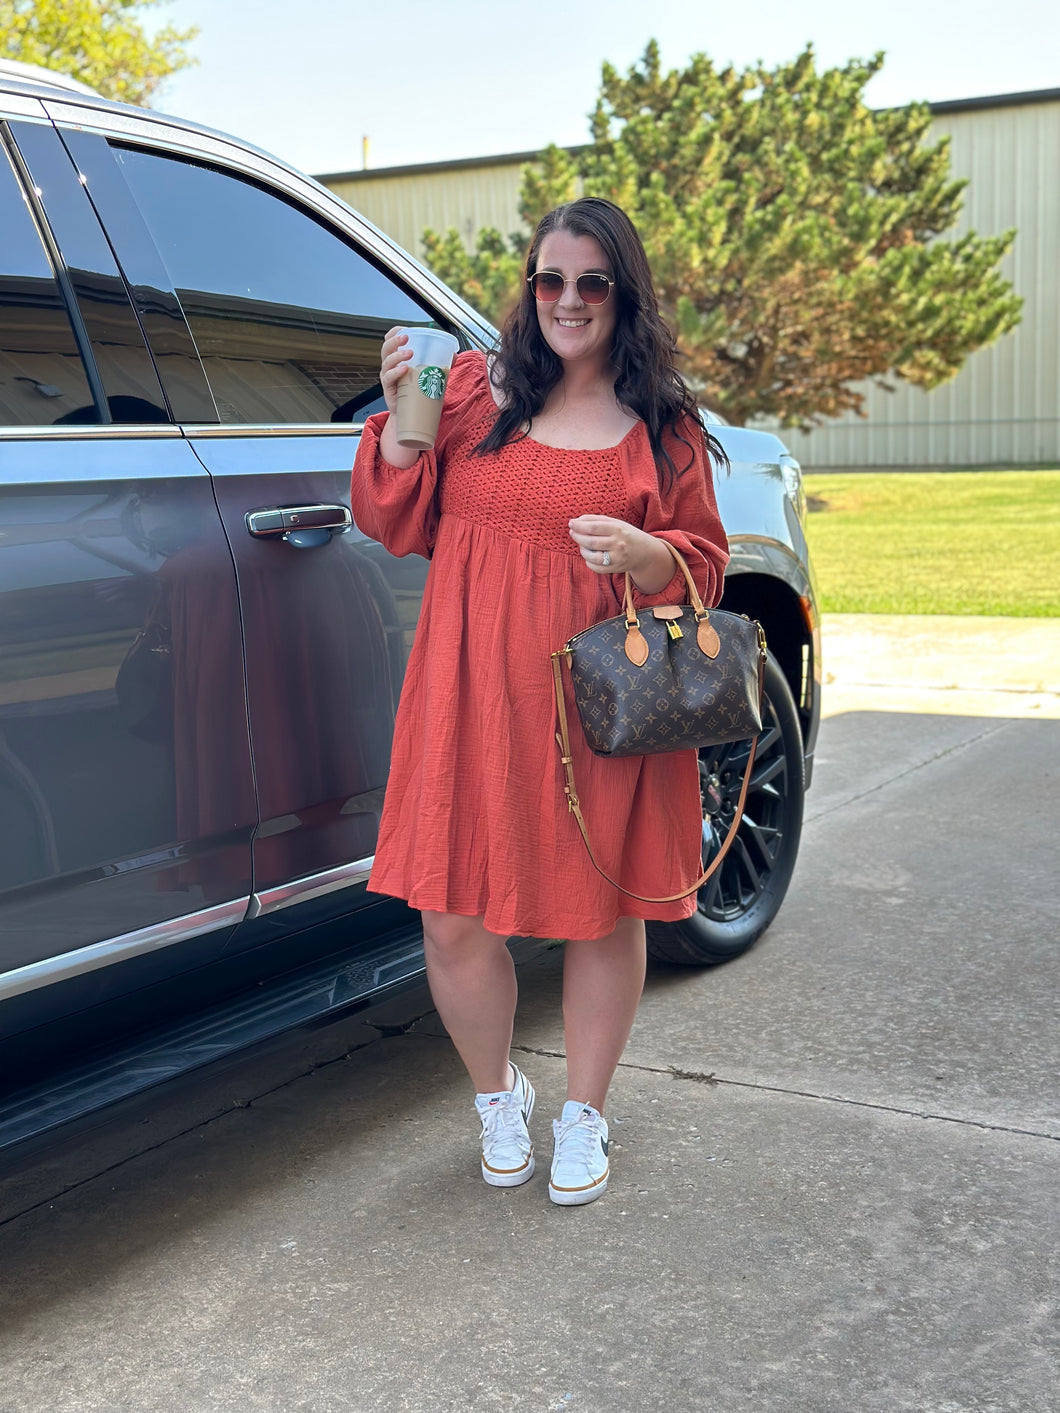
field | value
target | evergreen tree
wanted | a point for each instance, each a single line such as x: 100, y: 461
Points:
x: 793, y: 232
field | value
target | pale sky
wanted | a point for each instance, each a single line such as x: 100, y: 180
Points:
x: 429, y: 80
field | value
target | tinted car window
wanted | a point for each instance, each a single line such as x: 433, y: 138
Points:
x: 157, y: 307
x: 287, y: 317
x: 42, y: 378
x: 118, y: 349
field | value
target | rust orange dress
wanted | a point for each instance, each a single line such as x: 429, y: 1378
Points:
x: 475, y: 820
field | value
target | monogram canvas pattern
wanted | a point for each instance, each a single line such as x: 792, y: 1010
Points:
x: 680, y: 699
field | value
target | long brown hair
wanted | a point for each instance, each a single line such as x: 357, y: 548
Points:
x: 644, y: 350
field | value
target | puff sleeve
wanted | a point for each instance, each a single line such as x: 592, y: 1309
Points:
x: 687, y: 516
x: 398, y: 506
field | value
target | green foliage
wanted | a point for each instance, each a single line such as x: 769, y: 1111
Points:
x: 100, y: 42
x: 487, y: 279
x: 550, y: 184
x: 793, y: 232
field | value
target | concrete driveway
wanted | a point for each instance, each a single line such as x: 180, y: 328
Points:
x: 836, y: 1175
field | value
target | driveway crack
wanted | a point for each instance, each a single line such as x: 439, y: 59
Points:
x: 701, y: 1077
x: 903, y: 774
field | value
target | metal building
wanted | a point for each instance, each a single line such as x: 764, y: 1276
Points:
x: 1003, y: 408
x: 467, y: 194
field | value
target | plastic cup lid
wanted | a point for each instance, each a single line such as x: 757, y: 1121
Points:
x: 433, y: 345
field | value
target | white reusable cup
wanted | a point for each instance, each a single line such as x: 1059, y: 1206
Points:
x: 422, y: 389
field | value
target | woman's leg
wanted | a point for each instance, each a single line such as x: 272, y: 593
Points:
x: 602, y: 983
x: 472, y: 981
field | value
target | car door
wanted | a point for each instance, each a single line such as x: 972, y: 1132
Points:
x: 113, y: 843
x: 287, y: 315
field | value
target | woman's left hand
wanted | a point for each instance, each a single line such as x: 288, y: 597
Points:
x: 611, y: 546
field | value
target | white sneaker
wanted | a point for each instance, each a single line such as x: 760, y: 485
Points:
x: 507, y: 1153
x: 579, y: 1164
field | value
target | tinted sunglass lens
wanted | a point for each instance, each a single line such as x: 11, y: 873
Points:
x: 547, y: 287
x: 593, y: 289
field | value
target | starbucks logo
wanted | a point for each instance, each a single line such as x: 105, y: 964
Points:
x: 432, y: 382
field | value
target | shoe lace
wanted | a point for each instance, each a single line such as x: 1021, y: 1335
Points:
x: 501, y: 1121
x: 576, y: 1139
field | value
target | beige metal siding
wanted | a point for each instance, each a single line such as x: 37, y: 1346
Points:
x: 467, y: 198
x: 1004, y: 405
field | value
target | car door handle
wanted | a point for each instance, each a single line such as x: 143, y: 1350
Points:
x: 281, y: 520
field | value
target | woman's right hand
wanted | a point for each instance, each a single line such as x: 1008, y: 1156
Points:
x: 395, y: 355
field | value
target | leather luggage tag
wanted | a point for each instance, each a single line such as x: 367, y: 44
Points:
x: 708, y: 640
x: 636, y: 646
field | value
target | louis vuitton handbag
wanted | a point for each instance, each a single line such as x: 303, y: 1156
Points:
x: 671, y: 678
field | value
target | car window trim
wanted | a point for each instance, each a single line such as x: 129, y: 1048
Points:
x: 182, y: 429
x: 216, y: 430
x: 23, y: 108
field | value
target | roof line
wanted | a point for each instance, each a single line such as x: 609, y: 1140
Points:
x: 510, y: 159
x: 504, y: 159
x: 998, y: 100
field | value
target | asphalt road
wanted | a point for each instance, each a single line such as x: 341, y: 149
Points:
x: 836, y: 1179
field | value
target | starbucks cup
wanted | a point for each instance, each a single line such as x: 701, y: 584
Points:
x: 421, y: 390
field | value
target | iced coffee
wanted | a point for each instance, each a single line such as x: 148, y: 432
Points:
x: 421, y: 390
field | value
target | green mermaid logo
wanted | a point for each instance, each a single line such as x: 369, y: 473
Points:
x: 432, y: 382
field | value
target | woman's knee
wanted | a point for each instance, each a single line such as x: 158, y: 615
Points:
x: 448, y: 937
x: 628, y: 931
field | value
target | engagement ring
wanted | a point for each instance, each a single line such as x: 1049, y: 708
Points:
x: 606, y: 559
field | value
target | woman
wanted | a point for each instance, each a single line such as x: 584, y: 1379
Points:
x: 561, y: 463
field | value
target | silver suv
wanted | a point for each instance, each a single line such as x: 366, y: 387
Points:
x: 200, y: 654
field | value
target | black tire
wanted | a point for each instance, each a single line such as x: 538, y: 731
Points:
x: 744, y: 895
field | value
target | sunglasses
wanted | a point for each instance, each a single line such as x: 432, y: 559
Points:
x: 548, y: 286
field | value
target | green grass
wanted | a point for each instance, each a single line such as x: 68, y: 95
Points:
x: 975, y: 542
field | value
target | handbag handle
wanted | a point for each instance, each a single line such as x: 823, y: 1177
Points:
x: 636, y: 645
x: 693, y: 593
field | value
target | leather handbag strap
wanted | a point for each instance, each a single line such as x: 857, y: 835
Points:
x: 574, y: 804
x: 690, y: 584
x: 636, y: 646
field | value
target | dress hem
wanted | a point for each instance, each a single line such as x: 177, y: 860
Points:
x: 538, y: 931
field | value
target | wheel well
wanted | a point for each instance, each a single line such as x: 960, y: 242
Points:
x: 777, y: 608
